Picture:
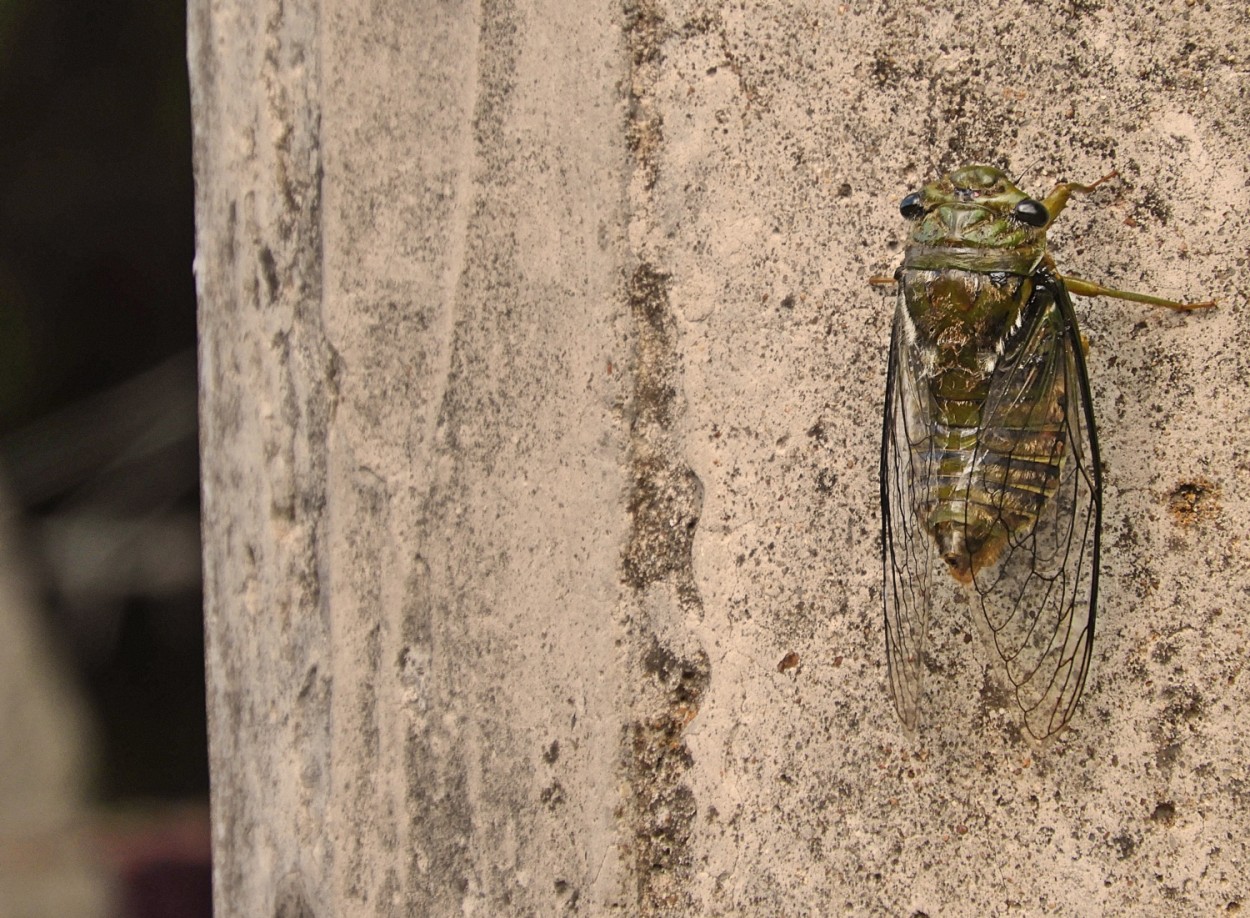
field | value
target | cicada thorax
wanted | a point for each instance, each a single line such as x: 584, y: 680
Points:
x: 987, y: 465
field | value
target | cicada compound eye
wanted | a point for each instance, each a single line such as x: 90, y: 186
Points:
x: 911, y: 207
x: 1031, y: 213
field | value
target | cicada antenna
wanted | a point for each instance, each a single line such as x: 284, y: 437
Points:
x: 1027, y: 169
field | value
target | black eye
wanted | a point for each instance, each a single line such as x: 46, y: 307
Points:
x: 911, y: 208
x: 1031, y: 213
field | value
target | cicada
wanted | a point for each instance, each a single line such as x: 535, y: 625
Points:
x: 990, y: 476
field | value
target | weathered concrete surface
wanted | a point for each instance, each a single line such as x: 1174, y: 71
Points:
x: 542, y: 386
x: 413, y: 343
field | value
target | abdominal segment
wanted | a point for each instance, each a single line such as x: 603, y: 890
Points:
x: 983, y: 497
x: 987, y: 423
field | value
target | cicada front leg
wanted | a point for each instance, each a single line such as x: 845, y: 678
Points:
x: 1057, y: 200
x: 1054, y: 203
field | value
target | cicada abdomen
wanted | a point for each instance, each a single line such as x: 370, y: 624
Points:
x: 992, y: 462
x: 987, y: 467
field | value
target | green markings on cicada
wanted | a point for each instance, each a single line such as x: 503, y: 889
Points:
x: 989, y: 458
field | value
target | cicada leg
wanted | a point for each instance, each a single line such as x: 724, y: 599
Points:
x: 1088, y: 288
x: 1057, y: 200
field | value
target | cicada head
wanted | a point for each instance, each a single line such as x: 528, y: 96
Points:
x: 977, y: 208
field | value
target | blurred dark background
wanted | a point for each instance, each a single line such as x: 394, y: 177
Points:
x: 98, y: 447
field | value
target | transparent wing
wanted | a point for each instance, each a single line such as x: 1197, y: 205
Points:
x: 907, y: 554
x: 1038, y: 442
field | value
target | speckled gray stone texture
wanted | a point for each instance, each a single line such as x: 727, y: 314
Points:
x: 791, y: 131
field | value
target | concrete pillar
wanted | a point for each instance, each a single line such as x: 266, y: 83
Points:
x: 541, y: 403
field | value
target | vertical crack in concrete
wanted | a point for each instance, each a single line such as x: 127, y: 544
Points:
x: 665, y: 502
x: 666, y: 497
